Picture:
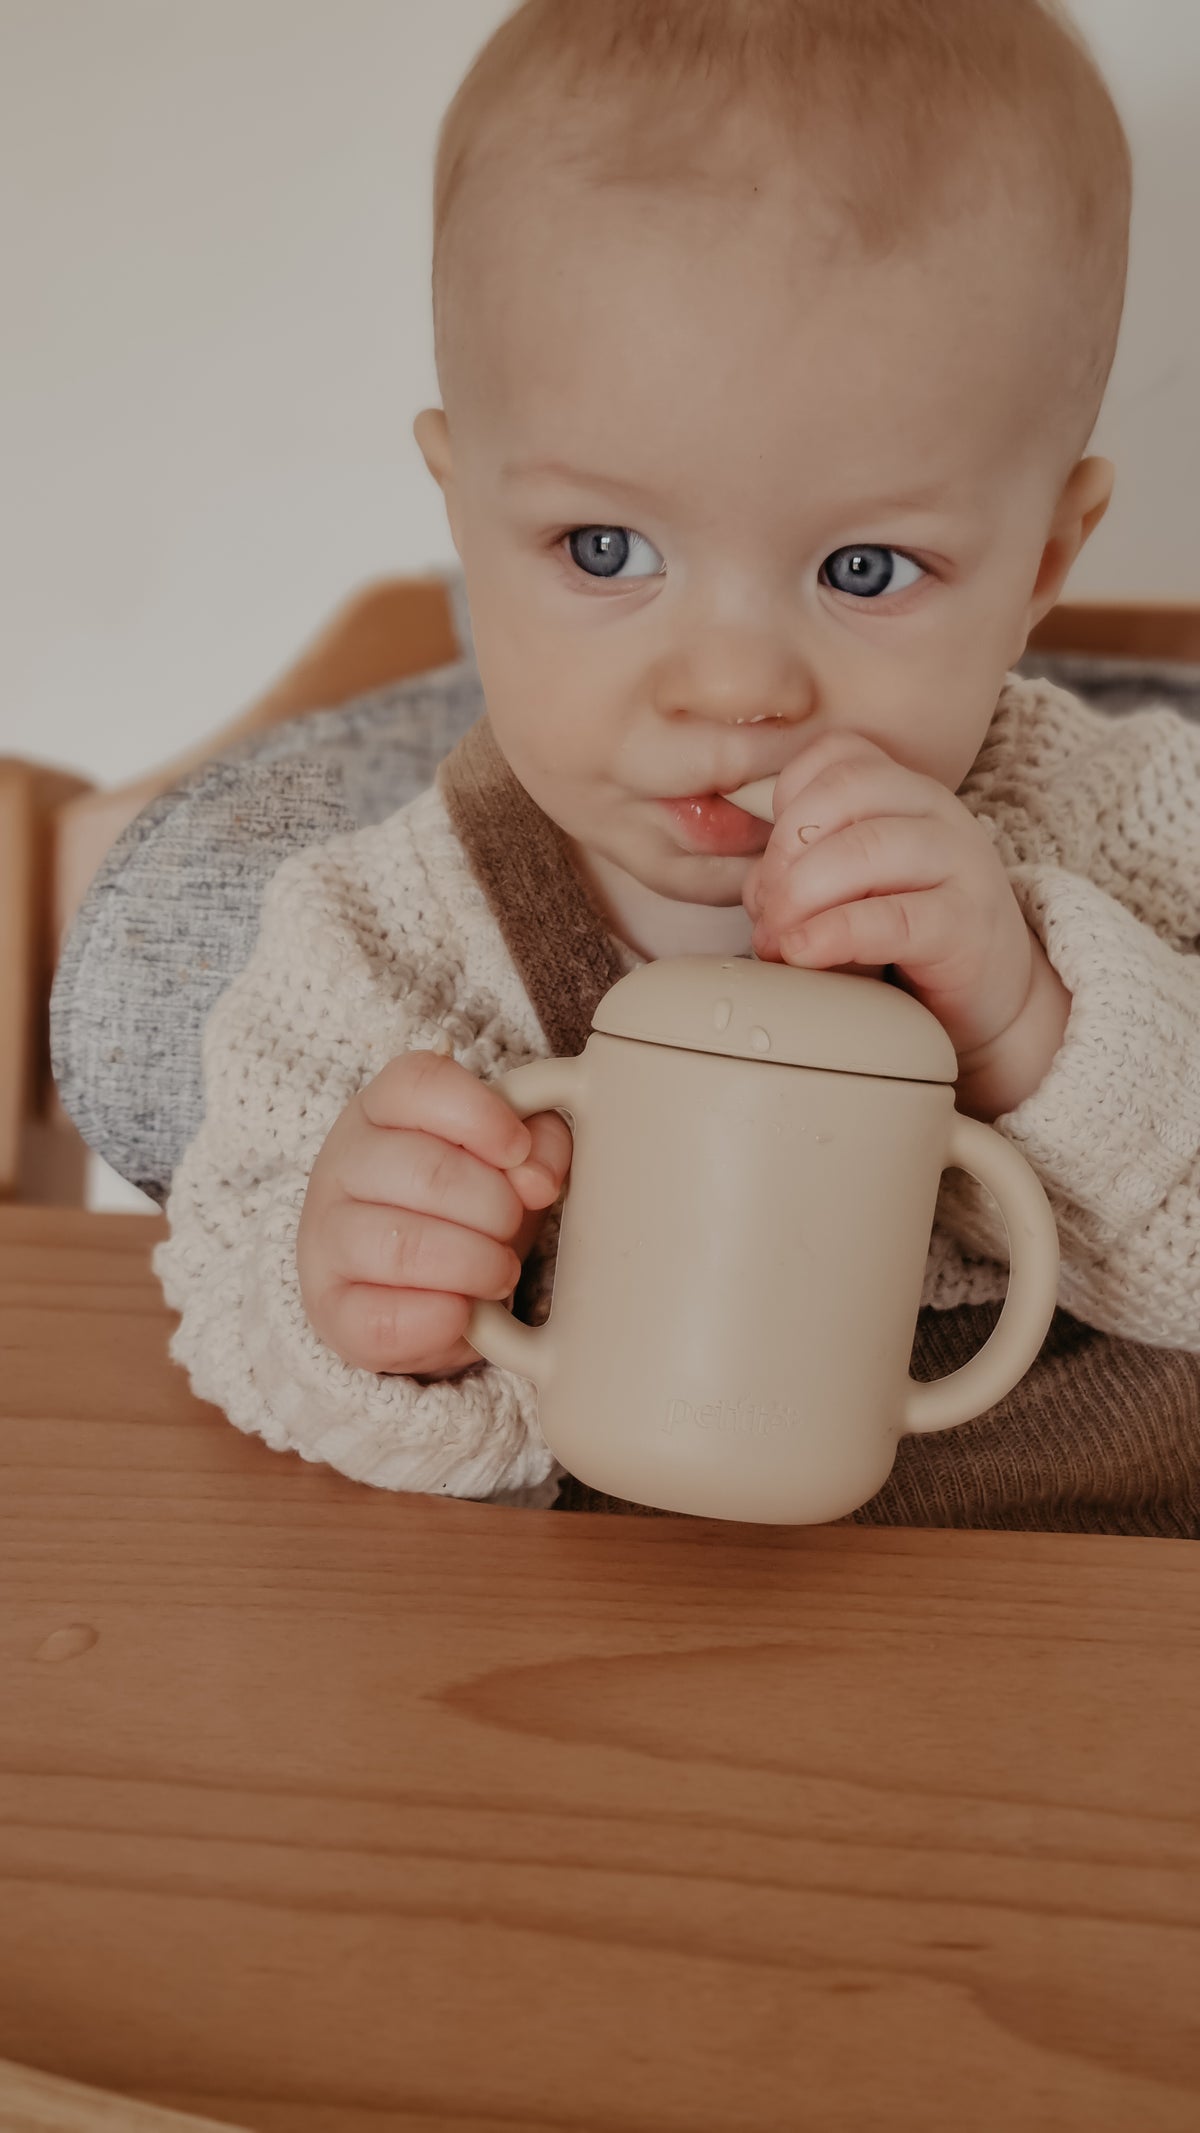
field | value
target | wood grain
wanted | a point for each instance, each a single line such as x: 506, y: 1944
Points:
x: 1122, y: 629
x: 40, y: 2103
x: 18, y: 949
x: 328, y: 1811
x: 41, y: 1154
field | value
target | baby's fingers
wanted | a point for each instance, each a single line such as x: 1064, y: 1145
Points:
x: 424, y: 1092
x: 539, y: 1179
x: 402, y: 1332
x: 389, y: 1245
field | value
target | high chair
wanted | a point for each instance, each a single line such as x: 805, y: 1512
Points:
x: 56, y: 829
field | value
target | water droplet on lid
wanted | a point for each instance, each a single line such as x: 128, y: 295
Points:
x: 759, y: 1040
x: 723, y: 1014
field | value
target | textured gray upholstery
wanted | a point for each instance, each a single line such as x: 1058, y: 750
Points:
x: 173, y: 913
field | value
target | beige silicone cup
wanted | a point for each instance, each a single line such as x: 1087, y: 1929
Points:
x: 739, y: 1274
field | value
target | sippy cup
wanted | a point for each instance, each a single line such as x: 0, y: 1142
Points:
x: 758, y: 1151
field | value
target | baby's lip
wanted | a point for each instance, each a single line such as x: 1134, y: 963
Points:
x: 709, y: 823
x: 750, y: 779
x: 703, y: 792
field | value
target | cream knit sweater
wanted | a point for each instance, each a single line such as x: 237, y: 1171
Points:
x: 381, y: 941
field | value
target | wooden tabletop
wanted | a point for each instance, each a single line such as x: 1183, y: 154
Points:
x: 329, y: 1811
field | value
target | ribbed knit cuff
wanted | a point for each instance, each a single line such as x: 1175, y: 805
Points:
x: 1115, y: 1123
x: 474, y: 1436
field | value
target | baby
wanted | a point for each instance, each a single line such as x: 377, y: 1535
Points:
x: 771, y: 335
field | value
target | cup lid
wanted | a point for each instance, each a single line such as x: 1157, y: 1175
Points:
x: 743, y: 1009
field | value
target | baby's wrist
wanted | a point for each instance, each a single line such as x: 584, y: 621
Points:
x: 1002, y: 1074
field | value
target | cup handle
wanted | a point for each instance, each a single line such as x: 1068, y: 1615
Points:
x: 542, y: 1085
x: 1032, y: 1284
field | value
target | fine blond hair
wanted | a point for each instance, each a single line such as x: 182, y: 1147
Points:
x: 898, y: 108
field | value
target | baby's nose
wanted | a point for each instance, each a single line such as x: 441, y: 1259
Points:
x: 744, y: 677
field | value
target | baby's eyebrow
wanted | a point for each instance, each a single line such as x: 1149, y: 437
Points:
x: 558, y: 470
x: 928, y: 496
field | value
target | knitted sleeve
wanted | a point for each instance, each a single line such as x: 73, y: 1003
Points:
x: 362, y: 953
x: 1097, y: 819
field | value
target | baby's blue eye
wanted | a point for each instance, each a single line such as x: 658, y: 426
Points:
x: 608, y: 548
x: 868, y: 572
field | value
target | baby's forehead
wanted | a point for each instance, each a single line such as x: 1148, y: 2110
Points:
x: 702, y: 327
x: 756, y: 199
x: 942, y: 122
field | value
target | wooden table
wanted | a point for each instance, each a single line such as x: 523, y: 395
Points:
x: 328, y: 1811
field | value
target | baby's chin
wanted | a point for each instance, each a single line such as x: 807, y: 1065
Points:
x: 692, y: 879
x: 717, y: 882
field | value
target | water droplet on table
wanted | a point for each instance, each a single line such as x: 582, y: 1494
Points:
x: 723, y: 1014
x: 760, y: 1040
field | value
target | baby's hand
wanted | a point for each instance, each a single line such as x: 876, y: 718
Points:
x: 426, y: 1196
x: 870, y: 864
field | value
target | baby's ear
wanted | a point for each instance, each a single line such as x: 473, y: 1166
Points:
x: 432, y: 433
x: 1086, y: 496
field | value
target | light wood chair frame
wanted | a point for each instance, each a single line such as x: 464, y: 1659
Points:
x: 56, y: 827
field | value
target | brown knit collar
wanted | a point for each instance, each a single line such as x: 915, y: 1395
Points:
x: 553, y: 928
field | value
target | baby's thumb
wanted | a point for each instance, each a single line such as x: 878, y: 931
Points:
x: 539, y: 1179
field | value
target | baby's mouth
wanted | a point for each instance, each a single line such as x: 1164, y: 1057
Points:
x: 707, y: 823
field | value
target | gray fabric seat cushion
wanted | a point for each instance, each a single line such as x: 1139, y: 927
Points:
x: 173, y: 913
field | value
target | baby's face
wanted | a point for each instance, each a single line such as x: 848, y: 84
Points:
x: 805, y: 494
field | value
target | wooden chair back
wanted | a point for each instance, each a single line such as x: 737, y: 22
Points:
x: 55, y: 828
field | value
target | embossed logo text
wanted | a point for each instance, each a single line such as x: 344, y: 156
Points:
x: 735, y: 1418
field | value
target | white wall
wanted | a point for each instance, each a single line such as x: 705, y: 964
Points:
x: 215, y: 221
x: 215, y: 228
x: 215, y: 224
